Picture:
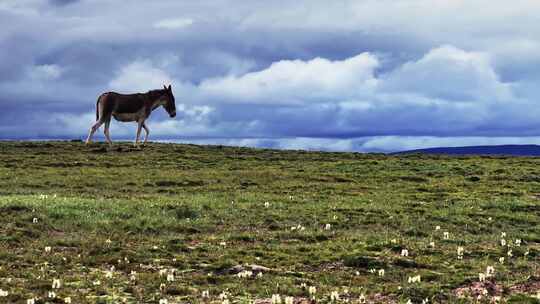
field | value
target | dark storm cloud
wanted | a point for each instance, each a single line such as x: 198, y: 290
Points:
x: 267, y: 73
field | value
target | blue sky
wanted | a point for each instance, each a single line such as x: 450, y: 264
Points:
x: 377, y: 75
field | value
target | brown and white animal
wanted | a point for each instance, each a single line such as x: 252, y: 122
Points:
x: 131, y: 107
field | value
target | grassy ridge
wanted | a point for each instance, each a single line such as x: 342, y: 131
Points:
x: 332, y: 220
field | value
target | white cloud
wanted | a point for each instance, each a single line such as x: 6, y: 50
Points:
x: 452, y: 74
x: 173, y: 24
x: 45, y: 72
x: 140, y: 76
x: 297, y: 81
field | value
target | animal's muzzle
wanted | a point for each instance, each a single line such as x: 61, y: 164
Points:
x: 173, y: 114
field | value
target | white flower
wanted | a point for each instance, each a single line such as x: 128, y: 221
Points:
x: 393, y: 241
x: 509, y: 253
x: 276, y: 299
x: 266, y: 204
x: 163, y: 301
x: 334, y: 296
x: 170, y: 277
x: 372, y: 270
x: 327, y: 227
x: 437, y: 227
x: 357, y: 273
x: 35, y: 220
x: 244, y: 274
x: 222, y: 295
x: 312, y: 290
x: 162, y: 272
x: 446, y: 235
x: 518, y: 242
x: 51, y: 294
x: 526, y: 253
x: 503, y: 242
x: 31, y: 301
x: 48, y: 249
x: 226, y: 301
x: 67, y: 300
x: 96, y: 283
x: 108, y: 274
x: 223, y: 244
x: 404, y: 252
x: 334, y: 217
x: 4, y: 293
x: 362, y: 298
x: 460, y: 252
x: 289, y: 300
x: 415, y: 279
x: 108, y: 241
x: 432, y: 244
x: 425, y: 301
x: 206, y: 294
x: 162, y: 286
x: 56, y: 284
x: 133, y: 275
x: 503, y: 234
x: 481, y: 277
x: 409, y: 301
x: 259, y: 275
x: 501, y: 260
x: 490, y: 270
x: 381, y: 272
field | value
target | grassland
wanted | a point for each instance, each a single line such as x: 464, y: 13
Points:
x: 169, y: 222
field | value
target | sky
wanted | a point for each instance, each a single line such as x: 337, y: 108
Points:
x: 360, y: 75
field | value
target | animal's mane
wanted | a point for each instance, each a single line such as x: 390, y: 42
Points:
x: 155, y: 93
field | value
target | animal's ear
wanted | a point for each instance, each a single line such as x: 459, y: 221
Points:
x: 164, y: 87
x: 169, y: 87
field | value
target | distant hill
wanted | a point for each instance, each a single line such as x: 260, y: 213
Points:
x: 515, y: 150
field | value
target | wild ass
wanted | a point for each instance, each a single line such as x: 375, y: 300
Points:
x: 131, y: 107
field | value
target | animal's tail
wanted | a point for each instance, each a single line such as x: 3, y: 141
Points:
x: 97, y: 107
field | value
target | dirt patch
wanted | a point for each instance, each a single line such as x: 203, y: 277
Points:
x: 99, y: 150
x: 414, y: 179
x: 13, y: 209
x: 186, y: 183
x: 531, y: 286
x: 475, y: 289
x: 295, y: 301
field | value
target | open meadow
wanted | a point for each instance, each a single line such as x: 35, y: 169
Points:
x: 173, y: 223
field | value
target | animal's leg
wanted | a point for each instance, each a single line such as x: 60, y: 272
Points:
x: 146, y: 131
x: 106, y: 131
x: 139, y: 126
x: 93, y: 129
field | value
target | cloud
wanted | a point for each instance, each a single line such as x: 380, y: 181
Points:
x: 173, y: 24
x: 450, y: 73
x: 140, y: 76
x: 350, y: 73
x: 45, y: 72
x: 297, y: 81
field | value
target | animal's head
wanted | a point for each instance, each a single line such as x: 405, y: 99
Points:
x: 168, y: 98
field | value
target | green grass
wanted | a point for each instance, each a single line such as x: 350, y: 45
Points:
x: 200, y: 210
